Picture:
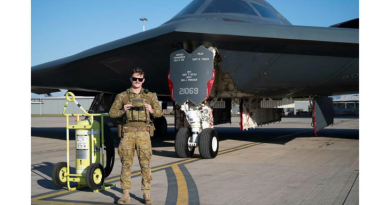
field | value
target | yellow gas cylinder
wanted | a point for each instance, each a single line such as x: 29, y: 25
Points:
x: 87, y: 147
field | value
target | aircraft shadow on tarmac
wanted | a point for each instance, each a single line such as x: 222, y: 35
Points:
x: 265, y: 135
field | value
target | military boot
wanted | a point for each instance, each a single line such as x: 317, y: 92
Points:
x: 125, y: 199
x: 147, y: 198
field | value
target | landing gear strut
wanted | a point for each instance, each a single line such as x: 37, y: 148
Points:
x: 201, y: 133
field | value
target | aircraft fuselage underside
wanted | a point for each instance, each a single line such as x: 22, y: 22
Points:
x: 290, y: 75
x: 200, y: 83
x: 206, y: 82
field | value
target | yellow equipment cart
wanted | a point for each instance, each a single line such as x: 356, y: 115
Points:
x: 89, y: 154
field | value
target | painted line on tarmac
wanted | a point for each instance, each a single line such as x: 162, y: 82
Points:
x: 182, y: 190
x: 353, y: 184
x: 181, y: 179
x: 192, y: 189
x: 172, y: 187
x: 181, y: 186
x: 50, y: 195
x: 62, y: 202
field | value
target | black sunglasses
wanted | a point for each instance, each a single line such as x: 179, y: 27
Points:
x: 139, y: 79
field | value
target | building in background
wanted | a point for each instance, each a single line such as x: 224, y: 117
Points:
x: 55, y: 105
x: 346, y: 105
x: 302, y: 108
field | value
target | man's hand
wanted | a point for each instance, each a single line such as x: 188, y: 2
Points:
x: 126, y: 107
x: 148, y: 107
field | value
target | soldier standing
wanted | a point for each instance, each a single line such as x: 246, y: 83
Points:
x: 135, y: 105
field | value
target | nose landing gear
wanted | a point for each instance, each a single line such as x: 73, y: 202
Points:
x: 190, y: 79
x: 203, y: 134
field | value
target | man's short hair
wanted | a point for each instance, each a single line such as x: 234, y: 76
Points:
x: 139, y: 71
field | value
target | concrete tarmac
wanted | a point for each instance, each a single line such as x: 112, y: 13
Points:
x: 282, y: 163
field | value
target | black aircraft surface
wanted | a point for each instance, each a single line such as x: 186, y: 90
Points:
x: 214, y: 52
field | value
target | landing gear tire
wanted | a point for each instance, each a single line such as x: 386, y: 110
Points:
x: 181, y: 143
x: 208, y: 143
x: 161, y: 126
x: 58, y: 174
x: 95, y: 176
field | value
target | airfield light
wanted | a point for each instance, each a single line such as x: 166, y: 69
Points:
x: 143, y: 23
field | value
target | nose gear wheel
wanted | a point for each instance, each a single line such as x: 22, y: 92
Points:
x: 208, y: 143
x: 181, y: 143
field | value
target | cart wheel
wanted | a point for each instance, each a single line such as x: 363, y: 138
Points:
x: 58, y: 174
x: 94, y: 177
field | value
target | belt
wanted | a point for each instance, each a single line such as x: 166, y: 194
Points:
x: 135, y: 129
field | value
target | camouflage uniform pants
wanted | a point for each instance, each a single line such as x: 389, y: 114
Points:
x: 139, y: 141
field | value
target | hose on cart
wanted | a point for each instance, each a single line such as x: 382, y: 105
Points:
x: 110, y: 150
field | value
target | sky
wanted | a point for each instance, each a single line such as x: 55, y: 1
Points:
x: 65, y: 27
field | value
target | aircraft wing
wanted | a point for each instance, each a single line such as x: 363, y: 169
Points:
x: 107, y: 68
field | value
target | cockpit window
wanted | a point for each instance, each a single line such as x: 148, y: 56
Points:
x: 190, y: 8
x: 229, y: 6
x: 264, y: 12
